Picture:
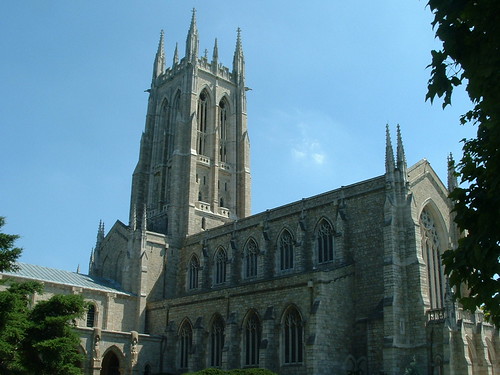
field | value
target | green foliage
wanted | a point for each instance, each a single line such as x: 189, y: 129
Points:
x: 38, y: 340
x: 8, y: 253
x: 470, y: 32
x: 246, y: 371
x: 14, y: 311
x: 51, y: 343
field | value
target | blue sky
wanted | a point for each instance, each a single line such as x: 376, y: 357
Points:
x: 326, y: 77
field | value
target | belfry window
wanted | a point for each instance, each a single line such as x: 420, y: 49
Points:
x: 325, y: 242
x: 220, y: 266
x: 431, y: 253
x: 286, y: 250
x: 252, y: 340
x: 223, y: 131
x: 185, y: 342
x: 194, y: 268
x: 250, y: 260
x: 91, y: 316
x: 216, y: 342
x: 202, y: 116
x: 293, y: 345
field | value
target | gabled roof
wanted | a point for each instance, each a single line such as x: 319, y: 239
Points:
x: 52, y: 275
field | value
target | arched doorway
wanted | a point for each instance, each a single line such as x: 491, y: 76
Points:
x: 110, y: 364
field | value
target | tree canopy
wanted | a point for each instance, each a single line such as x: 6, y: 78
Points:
x: 470, y: 56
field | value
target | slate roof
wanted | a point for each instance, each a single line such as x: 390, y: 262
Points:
x: 52, y: 275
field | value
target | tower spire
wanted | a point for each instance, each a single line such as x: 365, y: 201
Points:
x: 239, y: 60
x: 159, y: 64
x: 192, y: 42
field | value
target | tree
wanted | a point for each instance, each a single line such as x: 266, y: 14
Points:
x: 470, y: 55
x: 51, y: 343
x: 37, y: 339
x: 8, y: 253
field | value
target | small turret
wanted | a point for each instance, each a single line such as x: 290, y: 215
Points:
x: 159, y: 64
x: 239, y: 60
x: 100, y: 235
x: 192, y: 42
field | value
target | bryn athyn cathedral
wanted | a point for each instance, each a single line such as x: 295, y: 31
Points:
x: 345, y: 282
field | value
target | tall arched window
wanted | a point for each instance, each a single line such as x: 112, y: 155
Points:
x: 325, y: 242
x: 202, y: 117
x: 285, y: 244
x: 185, y: 343
x: 91, y: 315
x: 431, y: 253
x: 194, y: 268
x: 220, y: 266
x: 147, y: 370
x: 293, y: 345
x: 252, y: 332
x: 251, y: 258
x: 216, y: 341
x: 223, y: 131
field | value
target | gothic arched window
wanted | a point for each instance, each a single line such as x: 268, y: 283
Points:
x: 91, y: 315
x: 220, y: 266
x: 216, y: 342
x: 292, y: 339
x: 325, y: 242
x: 185, y: 343
x: 285, y: 244
x: 202, y: 118
x: 251, y: 335
x: 194, y: 269
x: 250, y: 258
x: 432, y: 257
x: 223, y: 131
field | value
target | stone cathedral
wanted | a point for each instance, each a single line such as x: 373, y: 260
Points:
x: 345, y: 282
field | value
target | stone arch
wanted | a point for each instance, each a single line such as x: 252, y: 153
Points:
x: 433, y: 242
x: 251, y: 252
x: 251, y: 329
x: 147, y: 369
x: 324, y: 241
x: 285, y: 250
x: 113, y: 362
x: 92, y: 315
x: 82, y: 364
x: 471, y: 353
x: 193, y: 272
x: 220, y: 265
x: 216, y: 340
x: 350, y: 366
x: 292, y: 335
x: 203, y: 121
x: 184, y: 343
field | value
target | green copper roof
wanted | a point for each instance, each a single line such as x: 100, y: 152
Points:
x: 51, y: 275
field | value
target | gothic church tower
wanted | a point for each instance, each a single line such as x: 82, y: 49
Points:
x: 193, y: 171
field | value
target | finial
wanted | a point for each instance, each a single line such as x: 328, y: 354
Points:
x: 400, y: 156
x: 192, y: 40
x: 238, y: 60
x: 159, y: 64
x: 452, y: 174
x: 215, y: 55
x: 205, y: 55
x: 389, y: 152
x: 176, y: 54
x: 78, y: 268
